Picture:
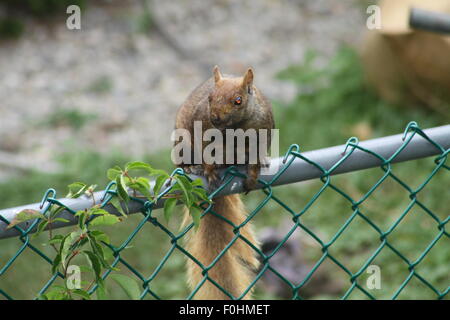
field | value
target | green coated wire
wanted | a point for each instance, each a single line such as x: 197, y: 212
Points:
x: 49, y: 200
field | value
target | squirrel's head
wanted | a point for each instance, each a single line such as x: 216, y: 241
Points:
x: 230, y: 100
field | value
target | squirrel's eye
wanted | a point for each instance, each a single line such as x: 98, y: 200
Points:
x: 238, y: 101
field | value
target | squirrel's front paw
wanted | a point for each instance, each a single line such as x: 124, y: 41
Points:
x: 213, y: 179
x: 195, y: 169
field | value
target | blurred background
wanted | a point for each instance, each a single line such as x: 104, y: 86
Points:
x: 74, y: 103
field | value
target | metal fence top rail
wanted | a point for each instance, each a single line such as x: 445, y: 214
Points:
x: 438, y: 22
x: 397, y: 148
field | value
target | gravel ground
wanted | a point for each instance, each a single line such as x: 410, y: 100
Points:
x: 129, y: 84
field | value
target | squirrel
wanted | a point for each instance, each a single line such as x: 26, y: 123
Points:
x: 224, y: 102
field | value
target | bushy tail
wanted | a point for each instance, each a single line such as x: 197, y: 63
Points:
x: 235, y: 269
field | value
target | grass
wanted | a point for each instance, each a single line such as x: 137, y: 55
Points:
x: 101, y: 85
x: 68, y: 117
x: 333, y: 104
x: 10, y: 28
x: 13, y: 13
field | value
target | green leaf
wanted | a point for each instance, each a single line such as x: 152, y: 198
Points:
x: 56, y: 239
x: 82, y: 216
x: 186, y: 187
x: 65, y: 247
x: 54, y: 211
x: 196, y: 213
x: 82, y: 242
x: 97, y: 211
x: 108, y: 254
x: 197, y: 183
x: 159, y: 183
x: 60, y: 220
x: 143, y: 186
x: 75, y: 235
x: 115, y: 202
x: 201, y: 194
x: 158, y: 172
x: 100, y: 236
x: 138, y: 165
x: 56, y: 263
x: 169, y: 205
x: 94, y: 262
x: 86, y: 269
x: 185, y: 182
x: 76, y: 189
x: 101, y: 291
x: 98, y: 251
x: 143, y: 182
x: 129, y: 285
x: 105, y: 220
x: 63, y: 241
x: 56, y: 293
x: 83, y: 294
x: 121, y: 188
x: 113, y: 173
x: 40, y: 228
x: 25, y: 215
x: 79, y: 213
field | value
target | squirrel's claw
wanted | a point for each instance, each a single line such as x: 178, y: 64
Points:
x: 213, y: 180
x: 196, y: 169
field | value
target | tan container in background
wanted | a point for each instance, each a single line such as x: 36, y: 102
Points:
x: 407, y: 66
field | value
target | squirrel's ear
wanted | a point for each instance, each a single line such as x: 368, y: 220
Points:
x: 248, y: 80
x: 217, y: 74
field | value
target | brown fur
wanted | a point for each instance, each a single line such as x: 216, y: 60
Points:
x: 234, y: 271
x: 214, y: 98
x: 213, y: 103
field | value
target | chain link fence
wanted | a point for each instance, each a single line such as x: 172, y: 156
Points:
x: 295, y: 166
